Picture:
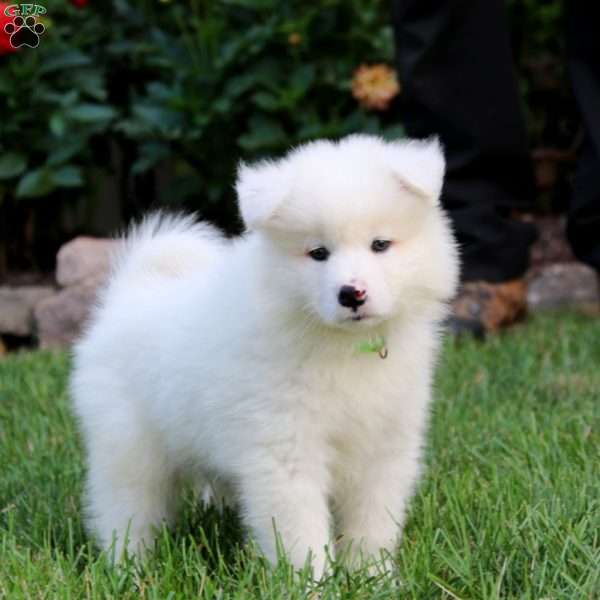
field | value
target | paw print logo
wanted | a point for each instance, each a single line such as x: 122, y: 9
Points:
x: 24, y: 32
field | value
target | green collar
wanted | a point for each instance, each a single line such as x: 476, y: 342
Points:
x: 374, y: 345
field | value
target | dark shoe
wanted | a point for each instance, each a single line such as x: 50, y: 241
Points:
x: 483, y: 307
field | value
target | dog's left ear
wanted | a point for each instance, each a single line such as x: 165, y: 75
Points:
x: 419, y: 166
x: 261, y: 188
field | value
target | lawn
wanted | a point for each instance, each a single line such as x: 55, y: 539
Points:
x: 509, y: 506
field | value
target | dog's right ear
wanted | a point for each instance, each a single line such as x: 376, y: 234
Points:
x: 261, y: 188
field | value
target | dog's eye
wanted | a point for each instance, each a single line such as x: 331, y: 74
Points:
x: 321, y: 253
x: 380, y: 245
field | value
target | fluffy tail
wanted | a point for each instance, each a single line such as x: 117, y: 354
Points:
x: 163, y: 246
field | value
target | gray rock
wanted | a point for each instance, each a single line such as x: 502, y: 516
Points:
x: 561, y: 285
x: 84, y: 258
x: 61, y: 318
x: 17, y: 305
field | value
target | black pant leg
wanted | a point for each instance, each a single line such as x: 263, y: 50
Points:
x: 583, y: 47
x: 454, y: 61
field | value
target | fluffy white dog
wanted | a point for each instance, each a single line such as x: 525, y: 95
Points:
x: 257, y: 363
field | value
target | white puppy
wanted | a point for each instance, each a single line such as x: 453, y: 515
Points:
x: 258, y: 363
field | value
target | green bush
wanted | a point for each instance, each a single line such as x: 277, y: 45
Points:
x: 60, y: 107
x: 165, y: 97
x: 247, y: 78
x: 195, y: 88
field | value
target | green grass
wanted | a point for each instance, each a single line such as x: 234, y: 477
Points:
x: 509, y: 507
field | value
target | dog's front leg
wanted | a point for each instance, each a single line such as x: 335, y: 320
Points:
x: 371, y: 505
x: 287, y: 500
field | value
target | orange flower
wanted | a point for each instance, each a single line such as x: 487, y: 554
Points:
x: 294, y: 39
x: 375, y: 86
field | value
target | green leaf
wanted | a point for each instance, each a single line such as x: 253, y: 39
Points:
x: 236, y: 86
x: 222, y: 105
x: 266, y: 101
x: 91, y: 83
x: 301, y: 80
x: 61, y: 98
x: 134, y: 128
x: 394, y: 132
x: 65, y: 60
x: 67, y: 176
x: 58, y: 125
x: 264, y: 133
x: 158, y: 117
x: 12, y: 164
x: 160, y: 91
x: 92, y: 113
x: 121, y: 47
x: 36, y: 183
x: 6, y: 84
x: 69, y: 98
x: 150, y: 154
x: 69, y: 147
x: 251, y: 4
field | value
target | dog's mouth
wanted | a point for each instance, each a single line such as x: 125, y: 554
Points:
x: 363, y: 318
x: 356, y: 322
x: 359, y: 317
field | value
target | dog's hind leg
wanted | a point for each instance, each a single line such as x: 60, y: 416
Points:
x: 131, y: 488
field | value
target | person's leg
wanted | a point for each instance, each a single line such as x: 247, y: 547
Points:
x: 583, y: 47
x: 455, y: 65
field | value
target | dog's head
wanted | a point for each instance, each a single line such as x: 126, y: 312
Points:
x: 354, y: 228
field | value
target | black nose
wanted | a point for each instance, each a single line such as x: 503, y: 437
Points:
x: 351, y: 297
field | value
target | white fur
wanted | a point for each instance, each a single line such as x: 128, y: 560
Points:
x: 232, y: 361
